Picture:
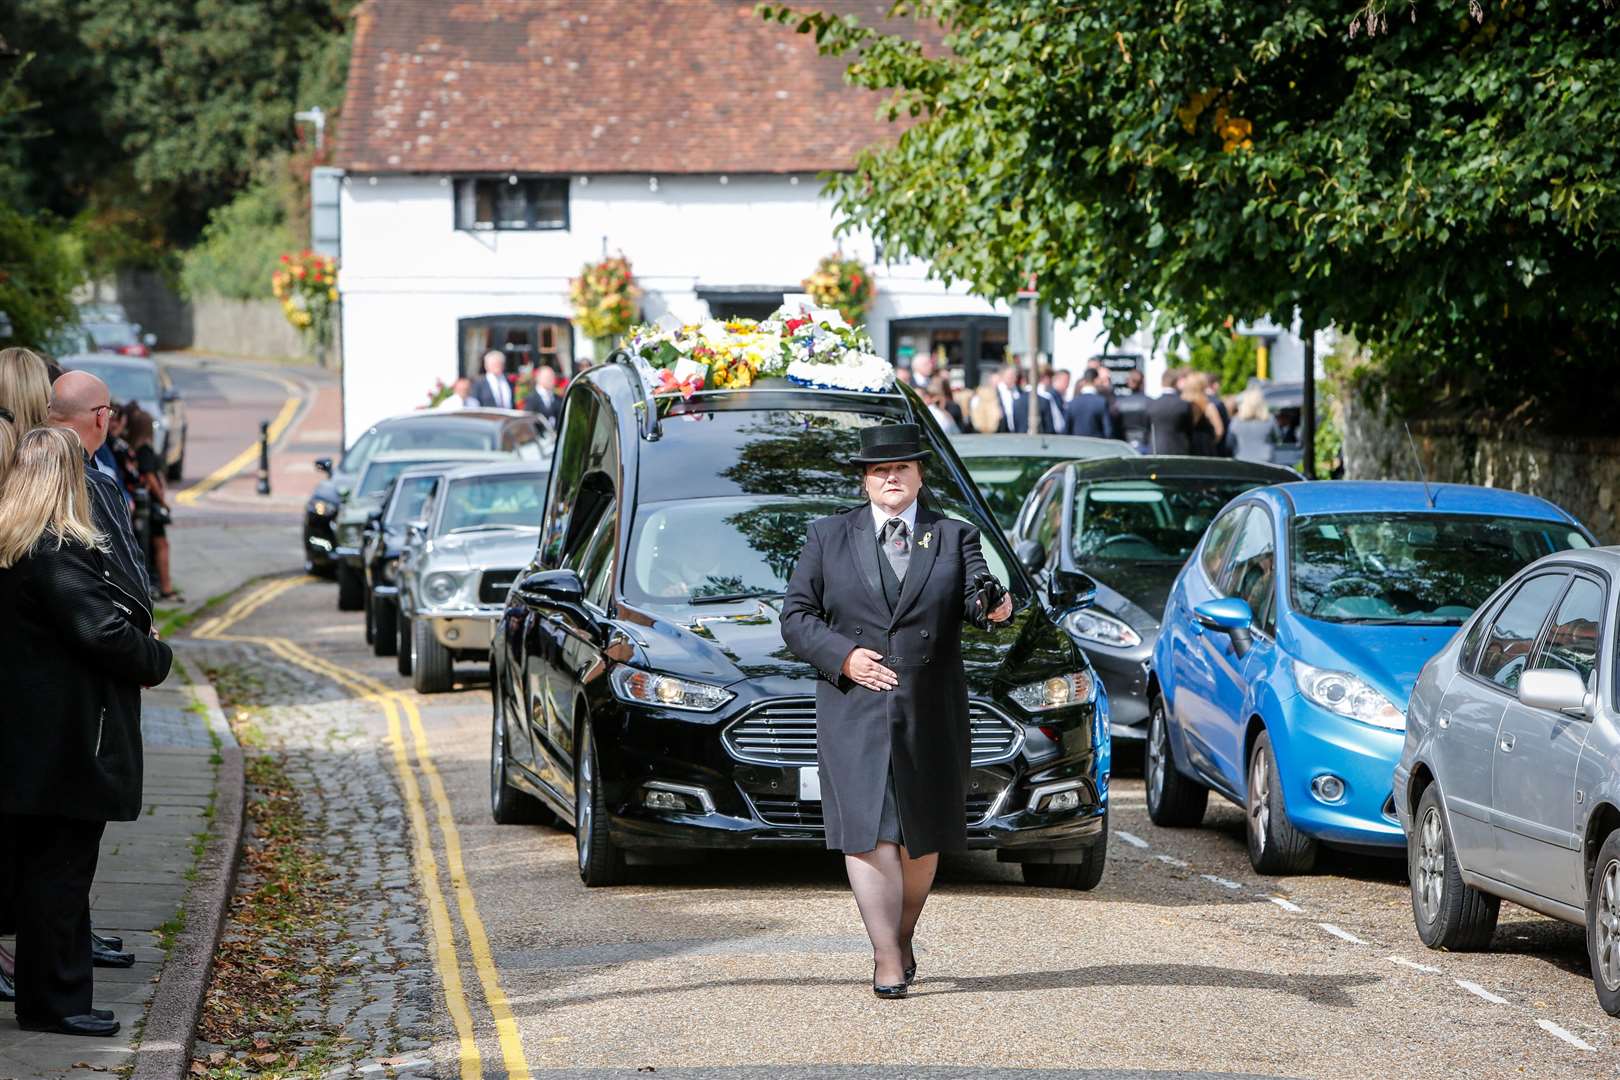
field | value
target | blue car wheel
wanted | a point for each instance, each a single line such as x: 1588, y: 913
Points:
x: 1174, y: 801
x: 1275, y: 846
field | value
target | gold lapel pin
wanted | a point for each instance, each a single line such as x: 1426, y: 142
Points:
x: 924, y: 541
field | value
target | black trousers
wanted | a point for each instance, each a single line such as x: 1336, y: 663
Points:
x: 8, y: 872
x: 54, y: 867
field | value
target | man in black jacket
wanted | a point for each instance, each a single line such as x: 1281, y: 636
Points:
x: 81, y: 403
x: 545, y: 400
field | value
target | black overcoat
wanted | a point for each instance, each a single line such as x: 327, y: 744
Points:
x: 78, y: 648
x: 834, y: 604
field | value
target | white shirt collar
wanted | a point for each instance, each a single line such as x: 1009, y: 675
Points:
x: 880, y: 517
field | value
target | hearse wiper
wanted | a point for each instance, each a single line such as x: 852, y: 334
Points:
x: 730, y: 597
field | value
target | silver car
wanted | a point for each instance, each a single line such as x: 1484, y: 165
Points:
x: 480, y: 530
x: 1508, y: 786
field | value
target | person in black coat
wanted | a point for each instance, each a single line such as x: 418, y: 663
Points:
x: 1089, y: 412
x: 876, y: 605
x: 544, y: 399
x: 78, y: 650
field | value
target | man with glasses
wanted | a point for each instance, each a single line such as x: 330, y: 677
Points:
x: 81, y: 403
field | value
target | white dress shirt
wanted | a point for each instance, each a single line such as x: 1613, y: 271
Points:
x: 453, y: 402
x: 880, y: 518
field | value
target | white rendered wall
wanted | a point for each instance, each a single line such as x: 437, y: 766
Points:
x: 408, y: 275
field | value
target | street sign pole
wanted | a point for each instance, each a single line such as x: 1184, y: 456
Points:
x: 1031, y: 357
x: 1307, y: 409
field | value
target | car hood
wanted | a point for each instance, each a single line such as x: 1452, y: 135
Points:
x: 730, y: 643
x: 1136, y: 592
x: 356, y: 508
x: 482, y: 551
x: 1388, y: 657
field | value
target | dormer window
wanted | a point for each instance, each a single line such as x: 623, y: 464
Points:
x: 511, y: 203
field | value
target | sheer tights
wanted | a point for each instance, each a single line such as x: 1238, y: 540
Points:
x: 890, y: 890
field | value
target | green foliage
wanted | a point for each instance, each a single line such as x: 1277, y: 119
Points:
x: 37, y: 272
x: 1446, y: 189
x: 241, y: 244
x: 1233, y: 359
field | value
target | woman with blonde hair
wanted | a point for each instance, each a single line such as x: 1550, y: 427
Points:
x: 1253, y: 427
x: 1208, y: 429
x: 25, y: 387
x: 78, y: 650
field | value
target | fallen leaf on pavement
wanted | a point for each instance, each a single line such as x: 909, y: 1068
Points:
x: 87, y: 1065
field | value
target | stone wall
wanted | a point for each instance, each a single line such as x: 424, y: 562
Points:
x: 1580, y: 474
x: 208, y: 324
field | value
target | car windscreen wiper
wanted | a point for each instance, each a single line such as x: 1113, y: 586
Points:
x: 488, y: 526
x: 730, y: 597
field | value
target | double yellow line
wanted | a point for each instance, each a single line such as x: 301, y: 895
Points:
x: 278, y: 426
x: 394, y: 703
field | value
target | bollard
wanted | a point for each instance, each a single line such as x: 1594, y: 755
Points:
x: 264, y: 457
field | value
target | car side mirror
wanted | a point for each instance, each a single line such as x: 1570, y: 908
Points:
x: 170, y: 396
x: 149, y: 339
x: 324, y: 464
x: 1555, y: 691
x: 1229, y: 615
x: 558, y: 590
x: 1072, y: 589
x: 415, y: 531
x: 1031, y: 554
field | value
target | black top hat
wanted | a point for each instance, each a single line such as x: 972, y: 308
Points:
x: 890, y: 442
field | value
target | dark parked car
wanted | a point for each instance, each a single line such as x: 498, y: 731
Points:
x: 518, y: 433
x: 380, y: 546
x: 121, y: 337
x: 1006, y: 466
x: 1129, y: 523
x: 642, y: 691
x: 147, y: 384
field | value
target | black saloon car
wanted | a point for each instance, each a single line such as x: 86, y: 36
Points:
x: 1128, y: 524
x: 523, y: 434
x: 381, y: 544
x: 642, y: 692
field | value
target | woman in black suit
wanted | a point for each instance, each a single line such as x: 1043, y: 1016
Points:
x: 892, y: 709
x: 78, y: 648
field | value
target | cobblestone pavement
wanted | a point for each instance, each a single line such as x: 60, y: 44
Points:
x: 1183, y: 963
x: 367, y: 1000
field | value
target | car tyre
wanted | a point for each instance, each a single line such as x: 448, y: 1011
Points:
x: 508, y: 805
x: 384, y: 634
x: 1275, y: 846
x: 351, y: 588
x: 601, y: 863
x: 1449, y: 913
x: 431, y: 666
x: 1603, y: 924
x: 1174, y: 801
x: 402, y: 649
x: 1084, y: 875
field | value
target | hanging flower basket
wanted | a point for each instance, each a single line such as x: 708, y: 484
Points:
x: 306, y: 285
x: 604, y: 298
x: 844, y: 285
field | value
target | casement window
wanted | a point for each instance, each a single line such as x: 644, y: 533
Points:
x: 511, y: 203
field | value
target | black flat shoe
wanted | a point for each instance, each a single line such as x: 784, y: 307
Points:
x: 111, y: 942
x: 91, y: 1024
x: 110, y: 958
x: 911, y: 973
x: 891, y: 993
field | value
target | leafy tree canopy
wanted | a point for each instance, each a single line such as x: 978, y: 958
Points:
x: 1445, y: 187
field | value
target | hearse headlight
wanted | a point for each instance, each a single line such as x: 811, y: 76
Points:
x: 1089, y: 624
x: 667, y: 691
x: 1058, y: 692
x: 349, y: 533
x: 441, y: 588
x: 1347, y: 695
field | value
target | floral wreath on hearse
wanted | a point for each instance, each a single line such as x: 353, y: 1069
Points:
x: 806, y: 345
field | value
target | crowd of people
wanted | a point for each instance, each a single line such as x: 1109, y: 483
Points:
x: 81, y: 642
x: 1188, y: 416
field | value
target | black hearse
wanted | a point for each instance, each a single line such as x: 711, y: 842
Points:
x: 642, y: 693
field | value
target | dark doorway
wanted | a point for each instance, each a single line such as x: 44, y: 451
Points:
x: 743, y: 301
x: 526, y: 340
x: 963, y: 345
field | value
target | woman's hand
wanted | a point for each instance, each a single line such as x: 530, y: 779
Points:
x: 862, y: 666
x: 1003, y: 610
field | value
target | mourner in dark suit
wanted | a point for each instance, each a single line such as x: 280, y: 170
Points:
x: 876, y: 604
x: 1089, y: 411
x: 544, y: 399
x: 1048, y: 414
x: 493, y: 390
x: 79, y: 647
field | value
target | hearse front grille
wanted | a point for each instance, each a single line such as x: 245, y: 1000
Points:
x: 784, y: 733
x: 807, y: 815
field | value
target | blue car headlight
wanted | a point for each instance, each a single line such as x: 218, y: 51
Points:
x: 1058, y: 692
x: 1089, y: 624
x: 1347, y: 695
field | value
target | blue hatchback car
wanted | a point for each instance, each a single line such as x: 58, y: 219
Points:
x: 1291, y: 641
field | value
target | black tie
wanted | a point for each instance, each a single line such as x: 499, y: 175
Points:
x: 897, y: 547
